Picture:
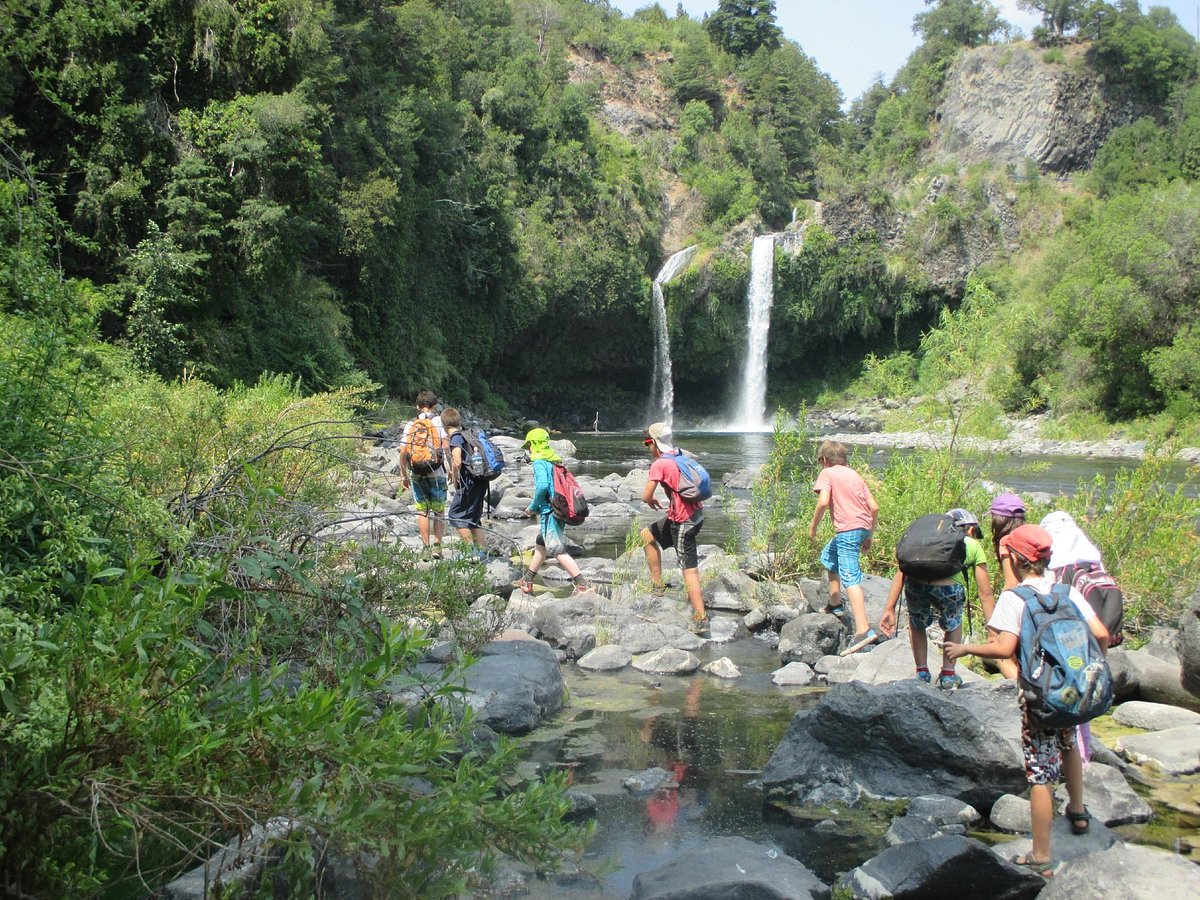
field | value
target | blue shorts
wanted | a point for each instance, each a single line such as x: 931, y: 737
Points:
x: 429, y: 492
x: 841, y: 555
x: 923, y: 599
x: 550, y: 535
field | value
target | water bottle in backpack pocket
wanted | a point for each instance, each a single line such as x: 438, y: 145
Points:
x: 694, y: 482
x: 1064, y: 676
x: 486, y: 460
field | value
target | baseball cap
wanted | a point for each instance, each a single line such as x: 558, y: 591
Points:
x: 1008, y: 505
x: 660, y: 434
x: 536, y: 436
x: 1030, y: 541
x: 962, y: 516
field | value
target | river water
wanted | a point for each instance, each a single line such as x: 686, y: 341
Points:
x: 715, y: 736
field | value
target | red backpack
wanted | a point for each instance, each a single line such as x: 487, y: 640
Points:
x: 567, y: 503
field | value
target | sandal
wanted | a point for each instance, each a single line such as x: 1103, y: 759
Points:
x: 1081, y: 822
x: 830, y: 610
x: 1044, y: 868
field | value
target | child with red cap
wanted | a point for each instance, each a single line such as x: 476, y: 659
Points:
x: 1048, y: 753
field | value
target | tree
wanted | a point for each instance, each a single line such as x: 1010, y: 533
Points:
x: 1058, y: 16
x: 742, y: 26
x: 959, y: 23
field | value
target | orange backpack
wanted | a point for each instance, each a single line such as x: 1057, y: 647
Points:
x: 423, y: 447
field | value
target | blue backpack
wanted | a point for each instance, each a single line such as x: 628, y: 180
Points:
x: 1064, y: 675
x: 694, y: 483
x: 486, y: 460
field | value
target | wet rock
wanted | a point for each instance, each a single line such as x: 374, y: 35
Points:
x: 794, y: 674
x: 1011, y: 813
x: 827, y: 664
x: 723, y: 668
x: 1189, y: 646
x: 514, y: 685
x: 731, y: 867
x: 905, y: 829
x: 1063, y: 844
x: 583, y: 806
x: 742, y: 479
x: 940, y: 867
x: 642, y: 637
x: 943, y: 810
x: 1125, y: 685
x: 756, y: 620
x: 1108, y: 797
x: 667, y: 661
x: 880, y: 738
x: 1153, y: 716
x: 809, y: 637
x: 782, y: 613
x: 608, y: 658
x: 892, y: 661
x: 1176, y: 751
x: 648, y: 782
x: 723, y: 629
x: 1125, y: 871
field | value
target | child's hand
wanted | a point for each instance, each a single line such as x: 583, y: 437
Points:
x: 952, y: 651
x: 887, y: 623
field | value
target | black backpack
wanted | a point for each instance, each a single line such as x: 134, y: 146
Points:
x: 932, y: 548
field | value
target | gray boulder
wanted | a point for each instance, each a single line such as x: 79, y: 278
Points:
x: 943, y: 810
x: 723, y: 668
x: 514, y: 685
x: 649, y: 781
x: 884, y: 739
x: 1159, y: 680
x: 794, y: 674
x: 667, y: 661
x: 809, y: 637
x: 729, y: 868
x: 1063, y: 844
x: 1189, y: 646
x: 1108, y: 796
x: 1011, y: 813
x: 608, y: 658
x: 941, y: 867
x: 905, y: 829
x: 1153, y: 716
x: 1176, y: 751
x: 1125, y: 870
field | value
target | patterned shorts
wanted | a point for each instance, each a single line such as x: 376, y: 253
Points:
x: 923, y: 599
x: 1043, y: 749
x: 429, y: 492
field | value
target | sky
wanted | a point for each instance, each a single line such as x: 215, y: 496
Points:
x: 853, y: 40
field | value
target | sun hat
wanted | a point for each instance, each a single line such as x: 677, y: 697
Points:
x: 1007, y: 504
x: 660, y: 434
x: 536, y: 436
x: 1030, y: 541
x: 962, y: 516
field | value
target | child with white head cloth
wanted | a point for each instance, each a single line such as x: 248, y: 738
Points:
x: 1071, y: 546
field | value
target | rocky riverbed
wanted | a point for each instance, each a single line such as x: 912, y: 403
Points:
x: 945, y: 768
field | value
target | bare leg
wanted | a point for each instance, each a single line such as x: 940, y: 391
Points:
x: 539, y: 557
x: 653, y: 556
x: 567, y: 561
x: 439, y: 527
x: 423, y: 526
x: 953, y: 637
x: 920, y: 646
x: 835, y: 589
x: 691, y: 578
x: 1041, y: 809
x: 858, y: 606
x: 471, y: 536
x: 1072, y: 769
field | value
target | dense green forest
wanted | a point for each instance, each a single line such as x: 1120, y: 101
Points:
x: 229, y: 226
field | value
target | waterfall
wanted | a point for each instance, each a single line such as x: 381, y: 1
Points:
x: 662, y: 387
x: 751, y: 411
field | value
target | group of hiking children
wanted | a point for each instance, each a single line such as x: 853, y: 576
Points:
x: 1056, y: 615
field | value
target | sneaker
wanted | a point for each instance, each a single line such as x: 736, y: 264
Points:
x: 924, y: 678
x: 830, y: 610
x: 658, y: 590
x: 523, y: 585
x: 864, y: 639
x: 949, y: 682
x: 700, y: 627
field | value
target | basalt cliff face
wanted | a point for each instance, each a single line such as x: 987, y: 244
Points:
x: 1007, y: 105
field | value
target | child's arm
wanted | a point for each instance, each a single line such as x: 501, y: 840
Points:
x: 455, y: 464
x: 1000, y: 645
x: 887, y: 623
x: 648, y: 495
x: 983, y: 584
x: 822, y: 505
x: 874, y: 507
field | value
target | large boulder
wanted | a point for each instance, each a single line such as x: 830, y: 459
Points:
x: 729, y: 867
x: 1153, y: 716
x: 941, y: 867
x: 1108, y: 796
x: 809, y: 637
x: 901, y: 740
x: 1189, y: 646
x: 1159, y: 680
x: 1176, y: 750
x: 514, y: 685
x: 1125, y: 870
